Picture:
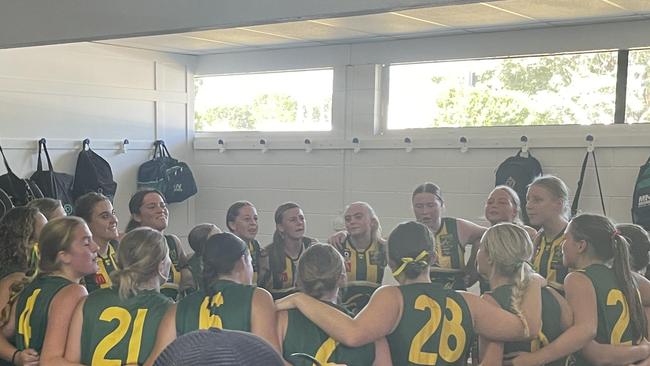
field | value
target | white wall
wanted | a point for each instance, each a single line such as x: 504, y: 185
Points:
x: 383, y: 173
x: 66, y: 93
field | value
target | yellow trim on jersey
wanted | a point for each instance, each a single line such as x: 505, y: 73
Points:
x: 445, y: 261
x: 549, y: 248
x: 372, y: 269
x: 101, y: 263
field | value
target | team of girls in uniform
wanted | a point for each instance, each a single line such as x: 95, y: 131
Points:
x: 148, y: 208
x: 451, y: 235
x: 49, y: 207
x: 321, y: 272
x: 547, y: 206
x: 607, y: 299
x: 226, y: 300
x: 118, y: 325
x: 97, y: 210
x: 241, y: 220
x: 503, y: 259
x: 197, y: 239
x: 20, y: 228
x: 278, y: 267
x: 420, y: 318
x: 43, y: 310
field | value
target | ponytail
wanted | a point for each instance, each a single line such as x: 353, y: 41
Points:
x: 628, y: 284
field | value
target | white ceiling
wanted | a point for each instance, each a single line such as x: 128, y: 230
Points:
x: 414, y: 23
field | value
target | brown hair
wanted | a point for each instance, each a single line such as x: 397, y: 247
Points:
x: 199, y: 235
x: 319, y: 270
x: 135, y: 203
x: 639, y: 242
x: 409, y: 240
x: 84, y: 205
x: 606, y: 243
x: 428, y: 187
x: 47, y: 206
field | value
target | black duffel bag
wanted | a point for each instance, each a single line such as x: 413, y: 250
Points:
x: 20, y: 191
x: 168, y: 175
x: 92, y: 174
x: 52, y: 184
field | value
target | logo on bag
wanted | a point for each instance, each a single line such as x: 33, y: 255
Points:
x: 644, y: 201
x: 511, y: 182
x: 178, y: 188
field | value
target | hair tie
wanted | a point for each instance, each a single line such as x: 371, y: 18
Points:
x: 615, y: 233
x: 407, y: 260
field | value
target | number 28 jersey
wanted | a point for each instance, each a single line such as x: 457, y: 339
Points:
x: 435, y: 328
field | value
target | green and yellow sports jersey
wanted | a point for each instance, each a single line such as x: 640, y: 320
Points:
x: 32, y: 309
x: 225, y: 305
x: 365, y: 271
x: 551, y: 322
x: 118, y: 331
x: 170, y: 288
x: 614, y: 326
x: 303, y: 336
x: 102, y: 278
x: 449, y: 270
x: 255, y: 250
x: 435, y: 327
x: 547, y: 260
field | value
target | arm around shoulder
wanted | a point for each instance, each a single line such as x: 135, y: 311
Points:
x: 264, y: 317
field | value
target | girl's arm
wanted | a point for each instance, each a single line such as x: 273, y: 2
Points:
x: 611, y: 355
x: 376, y: 320
x: 187, y: 281
x: 264, y: 318
x: 581, y: 296
x: 166, y: 334
x: 470, y: 233
x: 73, y: 344
x: 382, y: 353
x: 59, y: 318
x: 491, y: 352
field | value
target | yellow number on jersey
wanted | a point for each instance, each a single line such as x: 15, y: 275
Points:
x: 24, y: 328
x: 615, y: 296
x: 450, y: 327
x: 325, y: 351
x: 206, y: 318
x: 113, y: 338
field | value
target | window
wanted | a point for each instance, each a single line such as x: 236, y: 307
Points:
x: 540, y: 90
x: 638, y: 87
x: 278, y: 101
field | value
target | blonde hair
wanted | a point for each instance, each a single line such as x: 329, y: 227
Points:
x: 140, y: 253
x: 319, y: 270
x: 56, y: 236
x: 557, y: 188
x: 514, y: 200
x: 509, y: 247
x: 375, y: 226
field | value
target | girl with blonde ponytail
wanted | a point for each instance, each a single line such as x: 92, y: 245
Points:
x: 424, y: 323
x: 133, y: 303
x: 607, y: 299
x: 503, y: 259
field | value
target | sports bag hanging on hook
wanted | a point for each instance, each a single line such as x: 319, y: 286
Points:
x: 54, y: 185
x: 93, y: 174
x: 20, y: 191
x: 168, y: 175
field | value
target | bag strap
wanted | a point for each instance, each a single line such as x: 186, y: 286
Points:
x: 5, y: 160
x: 43, y: 143
x: 574, y: 205
x: 165, y: 152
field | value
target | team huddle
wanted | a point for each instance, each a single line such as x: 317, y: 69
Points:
x: 73, y: 290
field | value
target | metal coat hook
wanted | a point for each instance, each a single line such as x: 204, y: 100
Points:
x: 264, y: 146
x: 463, y: 144
x: 524, y: 144
x: 222, y: 146
x: 590, y: 143
x: 85, y: 144
x: 409, y: 144
x: 125, y: 142
x: 308, y: 146
x: 357, y: 147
